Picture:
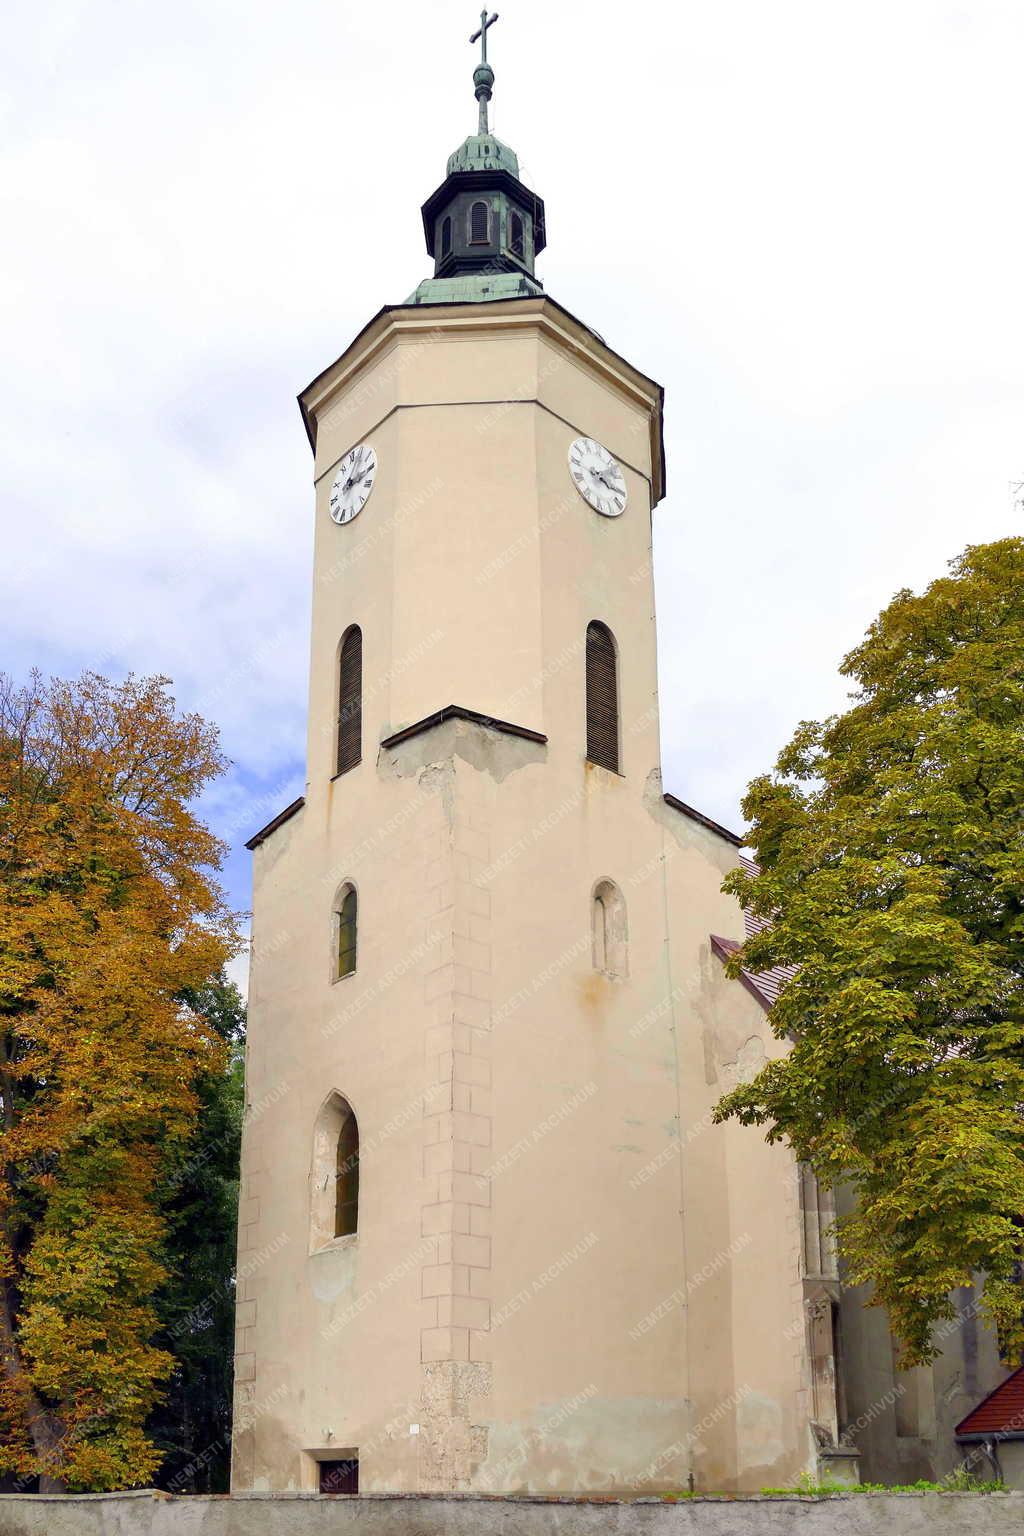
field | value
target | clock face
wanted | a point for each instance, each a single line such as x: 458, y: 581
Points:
x: 353, y: 483
x: 597, y: 477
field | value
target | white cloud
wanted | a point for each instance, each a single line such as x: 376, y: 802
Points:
x: 802, y: 218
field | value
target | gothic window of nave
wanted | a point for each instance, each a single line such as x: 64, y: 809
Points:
x: 346, y: 914
x: 334, y: 1176
x: 346, y: 1198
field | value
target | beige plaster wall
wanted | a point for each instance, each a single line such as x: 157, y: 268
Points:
x: 565, y: 1278
x: 444, y: 567
x: 327, y: 1362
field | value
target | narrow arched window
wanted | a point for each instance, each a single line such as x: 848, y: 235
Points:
x: 602, y: 698
x: 600, y: 931
x: 350, y: 700
x: 345, y: 915
x: 515, y: 239
x: 446, y: 236
x: 608, y: 916
x: 478, y: 224
x: 346, y: 1184
x: 334, y: 1173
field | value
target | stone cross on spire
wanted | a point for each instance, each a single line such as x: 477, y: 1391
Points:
x: 483, y: 75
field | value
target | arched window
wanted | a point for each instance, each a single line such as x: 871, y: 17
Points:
x: 478, y: 224
x: 446, y: 236
x: 346, y: 1181
x: 608, y: 915
x: 346, y: 908
x: 515, y: 239
x: 600, y: 920
x: 334, y: 1205
x: 602, y: 698
x: 350, y: 700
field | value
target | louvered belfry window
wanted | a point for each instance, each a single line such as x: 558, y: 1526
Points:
x: 478, y: 222
x: 350, y: 700
x: 602, y: 698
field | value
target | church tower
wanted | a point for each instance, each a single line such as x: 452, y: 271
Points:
x: 489, y: 1236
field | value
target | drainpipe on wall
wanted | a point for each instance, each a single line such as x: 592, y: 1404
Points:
x: 992, y: 1452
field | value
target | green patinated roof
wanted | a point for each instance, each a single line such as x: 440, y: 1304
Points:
x: 476, y: 288
x: 483, y: 152
x: 513, y: 231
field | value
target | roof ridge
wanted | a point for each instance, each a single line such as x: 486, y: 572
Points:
x: 1017, y: 1417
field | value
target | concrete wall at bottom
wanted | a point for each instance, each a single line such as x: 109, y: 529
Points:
x: 1011, y: 1460
x: 147, y: 1514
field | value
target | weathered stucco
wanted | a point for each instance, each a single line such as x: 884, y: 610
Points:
x: 553, y: 1283
x: 489, y: 750
x: 565, y: 1276
x: 145, y: 1514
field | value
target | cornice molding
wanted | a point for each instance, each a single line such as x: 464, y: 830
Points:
x: 705, y: 821
x: 459, y: 712
x: 279, y: 820
x: 447, y: 405
x: 538, y: 316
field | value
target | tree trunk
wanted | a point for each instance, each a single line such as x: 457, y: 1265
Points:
x: 44, y: 1427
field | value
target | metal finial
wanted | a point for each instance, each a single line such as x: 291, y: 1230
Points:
x: 483, y: 75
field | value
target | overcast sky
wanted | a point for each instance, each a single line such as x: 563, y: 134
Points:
x: 804, y: 218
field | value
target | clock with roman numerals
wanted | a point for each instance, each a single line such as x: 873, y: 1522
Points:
x: 351, y: 486
x: 598, y: 477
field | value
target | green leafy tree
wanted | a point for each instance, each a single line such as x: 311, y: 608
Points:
x: 192, y: 1423
x: 890, y: 843
x: 109, y: 912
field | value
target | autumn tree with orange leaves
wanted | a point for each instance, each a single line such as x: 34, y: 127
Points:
x: 109, y: 912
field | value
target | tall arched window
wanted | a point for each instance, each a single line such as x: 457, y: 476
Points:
x: 600, y: 918
x: 478, y: 224
x: 608, y: 915
x: 350, y: 700
x: 515, y: 239
x: 346, y: 1181
x: 346, y: 907
x: 602, y: 698
x: 446, y: 236
x: 334, y: 1204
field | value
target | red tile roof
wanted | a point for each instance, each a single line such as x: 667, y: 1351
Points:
x: 1001, y: 1413
x: 764, y: 985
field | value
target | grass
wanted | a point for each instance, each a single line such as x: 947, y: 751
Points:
x: 959, y: 1481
